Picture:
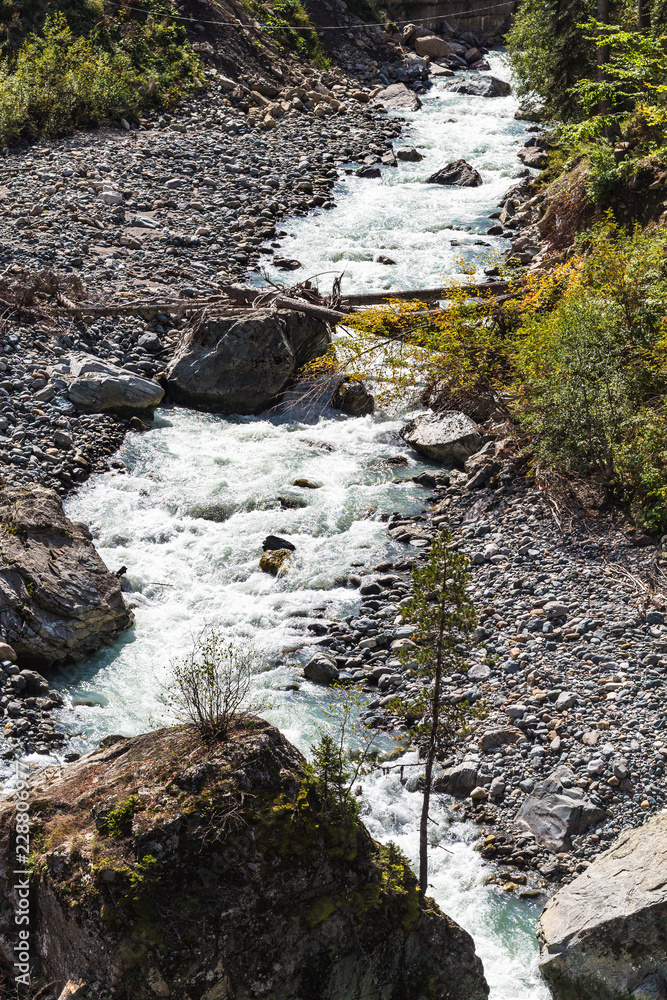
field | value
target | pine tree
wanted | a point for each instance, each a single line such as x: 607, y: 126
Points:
x: 443, y: 616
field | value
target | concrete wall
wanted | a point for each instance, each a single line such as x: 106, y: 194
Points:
x: 462, y: 15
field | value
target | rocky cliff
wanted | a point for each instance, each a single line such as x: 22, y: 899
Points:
x: 58, y: 601
x: 604, y: 936
x: 170, y: 868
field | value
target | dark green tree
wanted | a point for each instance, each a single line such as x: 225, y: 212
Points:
x: 550, y: 53
x: 443, y: 616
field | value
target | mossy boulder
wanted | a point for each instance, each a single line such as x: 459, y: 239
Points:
x: 275, y: 561
x: 166, y: 867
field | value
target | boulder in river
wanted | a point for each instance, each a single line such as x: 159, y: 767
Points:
x: 170, y: 867
x: 398, y: 97
x: 353, y: 398
x: 409, y: 155
x: 456, y: 174
x: 58, y: 601
x: 240, y: 364
x: 449, y: 436
x: 432, y: 46
x: 275, y: 542
x: 273, y: 561
x: 605, y: 934
x: 321, y: 669
x: 480, y: 86
x: 558, y: 810
x: 99, y: 387
x: 533, y: 156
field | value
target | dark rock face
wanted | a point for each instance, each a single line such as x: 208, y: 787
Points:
x: 555, y: 812
x: 457, y: 174
x: 353, y: 398
x: 481, y: 86
x: 604, y: 935
x: 241, y: 364
x: 58, y: 601
x: 224, y: 878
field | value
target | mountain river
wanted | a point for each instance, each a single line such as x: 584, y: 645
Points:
x: 189, y: 571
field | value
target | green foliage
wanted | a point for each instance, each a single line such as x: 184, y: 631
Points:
x: 58, y: 80
x: 118, y: 822
x: 550, y: 53
x: 210, y: 687
x: 341, y: 755
x: 279, y: 17
x: 144, y: 876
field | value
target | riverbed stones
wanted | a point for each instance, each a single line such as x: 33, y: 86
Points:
x: 558, y: 810
x: 449, y: 436
x: 241, y: 364
x: 58, y: 601
x: 457, y: 174
x: 99, y: 386
x: 605, y: 934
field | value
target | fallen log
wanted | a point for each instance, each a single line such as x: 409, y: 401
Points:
x: 421, y: 294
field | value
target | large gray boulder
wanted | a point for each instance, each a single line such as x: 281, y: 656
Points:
x: 99, y: 386
x: 456, y: 174
x: 398, y: 97
x: 240, y: 364
x: 555, y: 812
x: 480, y: 86
x: 58, y: 601
x: 432, y: 46
x: 604, y: 935
x: 443, y: 437
x: 458, y: 780
x: 321, y: 669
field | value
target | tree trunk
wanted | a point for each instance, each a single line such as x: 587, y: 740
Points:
x: 430, y: 757
x: 643, y: 16
x: 603, y: 54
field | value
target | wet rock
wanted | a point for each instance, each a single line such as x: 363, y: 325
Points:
x: 456, y: 174
x: 369, y: 170
x: 409, y: 155
x: 274, y: 561
x: 307, y: 484
x: 353, y: 398
x: 58, y: 601
x: 481, y: 86
x: 449, y: 436
x: 558, y: 810
x: 279, y: 876
x: 604, y: 933
x: 398, y: 97
x: 240, y: 365
x: 275, y: 542
x: 100, y: 386
x: 533, y: 156
x: 321, y: 669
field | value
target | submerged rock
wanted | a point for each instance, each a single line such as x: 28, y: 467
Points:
x: 274, y: 560
x: 58, y: 601
x: 240, y: 364
x: 443, y: 437
x: 557, y: 811
x: 456, y: 174
x: 353, y: 398
x: 187, y: 869
x: 605, y: 934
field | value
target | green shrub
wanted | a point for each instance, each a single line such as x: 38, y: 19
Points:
x: 58, y: 81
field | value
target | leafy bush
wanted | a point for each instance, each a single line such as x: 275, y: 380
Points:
x: 578, y: 356
x: 279, y: 17
x: 58, y: 81
x: 210, y: 687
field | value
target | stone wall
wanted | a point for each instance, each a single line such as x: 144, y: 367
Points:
x: 489, y: 16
